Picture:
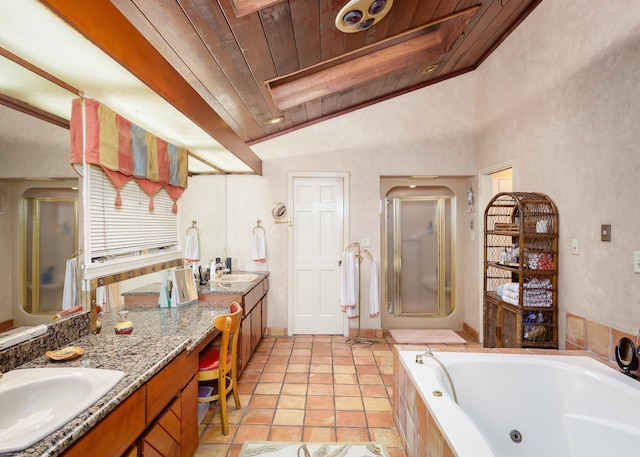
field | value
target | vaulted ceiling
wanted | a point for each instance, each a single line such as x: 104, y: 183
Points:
x: 237, y: 67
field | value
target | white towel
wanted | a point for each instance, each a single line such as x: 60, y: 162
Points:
x: 374, y: 291
x: 349, y: 285
x: 192, y: 250
x: 71, y: 291
x: 259, y: 248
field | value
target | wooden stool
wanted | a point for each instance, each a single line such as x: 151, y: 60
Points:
x: 221, y: 362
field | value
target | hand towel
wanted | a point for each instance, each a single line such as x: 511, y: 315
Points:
x: 349, y: 285
x: 374, y: 291
x: 259, y: 248
x: 71, y: 291
x: 192, y: 249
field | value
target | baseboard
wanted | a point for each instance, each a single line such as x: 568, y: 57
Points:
x: 473, y: 333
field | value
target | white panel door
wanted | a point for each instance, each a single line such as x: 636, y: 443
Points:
x: 318, y: 218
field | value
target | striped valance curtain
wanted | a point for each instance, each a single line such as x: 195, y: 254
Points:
x: 125, y: 151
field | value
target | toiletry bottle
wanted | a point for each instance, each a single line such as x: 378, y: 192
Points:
x: 229, y: 264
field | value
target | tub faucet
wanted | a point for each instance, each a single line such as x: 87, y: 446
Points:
x: 431, y: 355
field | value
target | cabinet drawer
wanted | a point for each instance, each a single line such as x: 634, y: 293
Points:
x: 165, y: 385
x: 114, y: 434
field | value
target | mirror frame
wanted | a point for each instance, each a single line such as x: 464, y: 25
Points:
x: 279, y: 210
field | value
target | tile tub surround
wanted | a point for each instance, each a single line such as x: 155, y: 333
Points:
x: 588, y: 335
x: 159, y: 335
x: 59, y: 334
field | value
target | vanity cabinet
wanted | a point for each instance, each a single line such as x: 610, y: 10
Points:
x: 521, y: 271
x: 253, y: 326
x: 158, y: 419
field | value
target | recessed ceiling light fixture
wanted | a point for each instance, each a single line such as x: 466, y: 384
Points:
x: 358, y: 15
x: 430, y: 69
x: 276, y: 120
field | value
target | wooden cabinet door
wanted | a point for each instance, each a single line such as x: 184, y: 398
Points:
x: 244, y: 351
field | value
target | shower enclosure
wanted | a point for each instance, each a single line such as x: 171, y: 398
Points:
x: 419, y: 252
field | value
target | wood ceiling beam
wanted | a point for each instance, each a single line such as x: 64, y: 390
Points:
x: 104, y: 25
x: 415, y: 46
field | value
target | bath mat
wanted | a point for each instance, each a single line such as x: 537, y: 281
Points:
x: 426, y: 336
x: 283, y: 449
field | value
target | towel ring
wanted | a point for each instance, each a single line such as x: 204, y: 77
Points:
x: 259, y: 226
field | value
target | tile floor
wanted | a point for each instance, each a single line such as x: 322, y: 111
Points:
x: 313, y: 388
x: 309, y: 388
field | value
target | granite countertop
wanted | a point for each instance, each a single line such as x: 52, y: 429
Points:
x: 159, y: 335
x: 238, y: 288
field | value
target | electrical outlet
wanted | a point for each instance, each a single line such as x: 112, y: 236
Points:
x: 575, y: 246
x: 365, y: 242
x: 636, y: 261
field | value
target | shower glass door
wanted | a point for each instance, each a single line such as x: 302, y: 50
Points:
x: 419, y: 253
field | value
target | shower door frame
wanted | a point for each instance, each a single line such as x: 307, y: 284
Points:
x: 395, y: 308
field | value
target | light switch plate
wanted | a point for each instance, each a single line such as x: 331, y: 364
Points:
x: 575, y: 246
x: 636, y: 261
x: 605, y: 232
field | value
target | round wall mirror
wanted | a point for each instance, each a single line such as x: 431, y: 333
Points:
x: 279, y: 210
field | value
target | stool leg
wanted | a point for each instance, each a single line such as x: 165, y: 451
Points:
x: 222, y: 390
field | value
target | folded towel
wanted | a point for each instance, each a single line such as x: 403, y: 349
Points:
x: 259, y: 248
x: 192, y: 249
x: 71, y: 291
x: 374, y: 290
x: 349, y: 285
x: 512, y: 286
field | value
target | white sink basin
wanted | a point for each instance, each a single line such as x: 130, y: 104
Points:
x: 235, y: 277
x: 37, y: 401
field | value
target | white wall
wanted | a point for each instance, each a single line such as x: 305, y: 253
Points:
x: 568, y: 110
x: 427, y: 132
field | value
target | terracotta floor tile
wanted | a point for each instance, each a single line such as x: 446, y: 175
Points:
x: 292, y: 401
x: 374, y: 391
x: 374, y: 379
x: 347, y: 390
x: 258, y: 416
x: 352, y: 434
x: 297, y: 368
x: 349, y: 403
x: 272, y: 377
x: 294, y: 389
x: 320, y: 389
x: 319, y: 434
x: 367, y: 369
x: 268, y: 388
x: 315, y: 402
x: 263, y: 401
x: 376, y: 404
x: 289, y: 417
x: 246, y: 432
x: 320, y: 418
x: 285, y: 433
x: 275, y: 368
x: 344, y: 369
x: 320, y: 378
x: 351, y: 419
x: 345, y: 379
x: 380, y: 419
x: 309, y: 388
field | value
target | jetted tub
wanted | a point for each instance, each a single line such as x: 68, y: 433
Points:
x: 529, y: 405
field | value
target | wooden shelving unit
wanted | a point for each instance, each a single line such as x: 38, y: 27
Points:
x: 521, y: 294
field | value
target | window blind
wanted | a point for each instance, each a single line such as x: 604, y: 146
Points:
x: 130, y: 229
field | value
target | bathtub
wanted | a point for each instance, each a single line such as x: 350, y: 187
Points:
x: 558, y: 406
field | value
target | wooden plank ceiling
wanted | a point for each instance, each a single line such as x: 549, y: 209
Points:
x: 256, y: 60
